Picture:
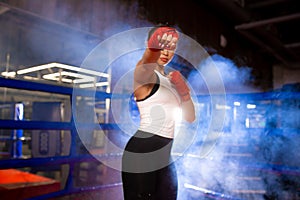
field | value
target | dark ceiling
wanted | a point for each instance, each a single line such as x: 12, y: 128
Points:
x: 272, y: 27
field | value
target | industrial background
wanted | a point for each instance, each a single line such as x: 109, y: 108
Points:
x: 45, y: 93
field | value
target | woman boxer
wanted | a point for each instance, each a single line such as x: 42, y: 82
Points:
x: 147, y: 170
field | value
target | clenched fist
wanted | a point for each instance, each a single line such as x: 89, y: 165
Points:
x: 163, y: 38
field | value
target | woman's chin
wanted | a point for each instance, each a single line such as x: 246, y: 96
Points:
x: 163, y: 63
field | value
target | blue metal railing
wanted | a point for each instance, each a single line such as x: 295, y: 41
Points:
x: 74, y: 157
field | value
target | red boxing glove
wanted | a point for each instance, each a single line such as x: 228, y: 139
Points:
x: 155, y: 41
x: 180, y: 85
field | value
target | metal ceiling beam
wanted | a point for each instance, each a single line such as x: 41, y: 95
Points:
x: 229, y: 9
x: 264, y: 3
x: 274, y: 42
x: 3, y: 10
x: 264, y: 46
x: 268, y: 21
x: 287, y: 64
x: 258, y: 36
x: 26, y: 13
x: 292, y: 45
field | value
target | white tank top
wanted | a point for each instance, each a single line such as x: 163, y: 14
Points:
x: 158, y: 110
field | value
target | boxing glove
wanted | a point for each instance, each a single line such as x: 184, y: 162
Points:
x: 180, y: 85
x: 155, y: 41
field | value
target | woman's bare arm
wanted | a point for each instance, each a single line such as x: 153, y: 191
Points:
x: 188, y: 111
x: 187, y: 105
x: 144, y: 70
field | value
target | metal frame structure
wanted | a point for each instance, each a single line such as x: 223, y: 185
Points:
x: 70, y: 159
x: 74, y: 157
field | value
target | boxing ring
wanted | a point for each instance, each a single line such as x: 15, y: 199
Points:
x: 245, y: 146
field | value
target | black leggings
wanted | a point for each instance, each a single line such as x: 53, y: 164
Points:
x: 147, y: 170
